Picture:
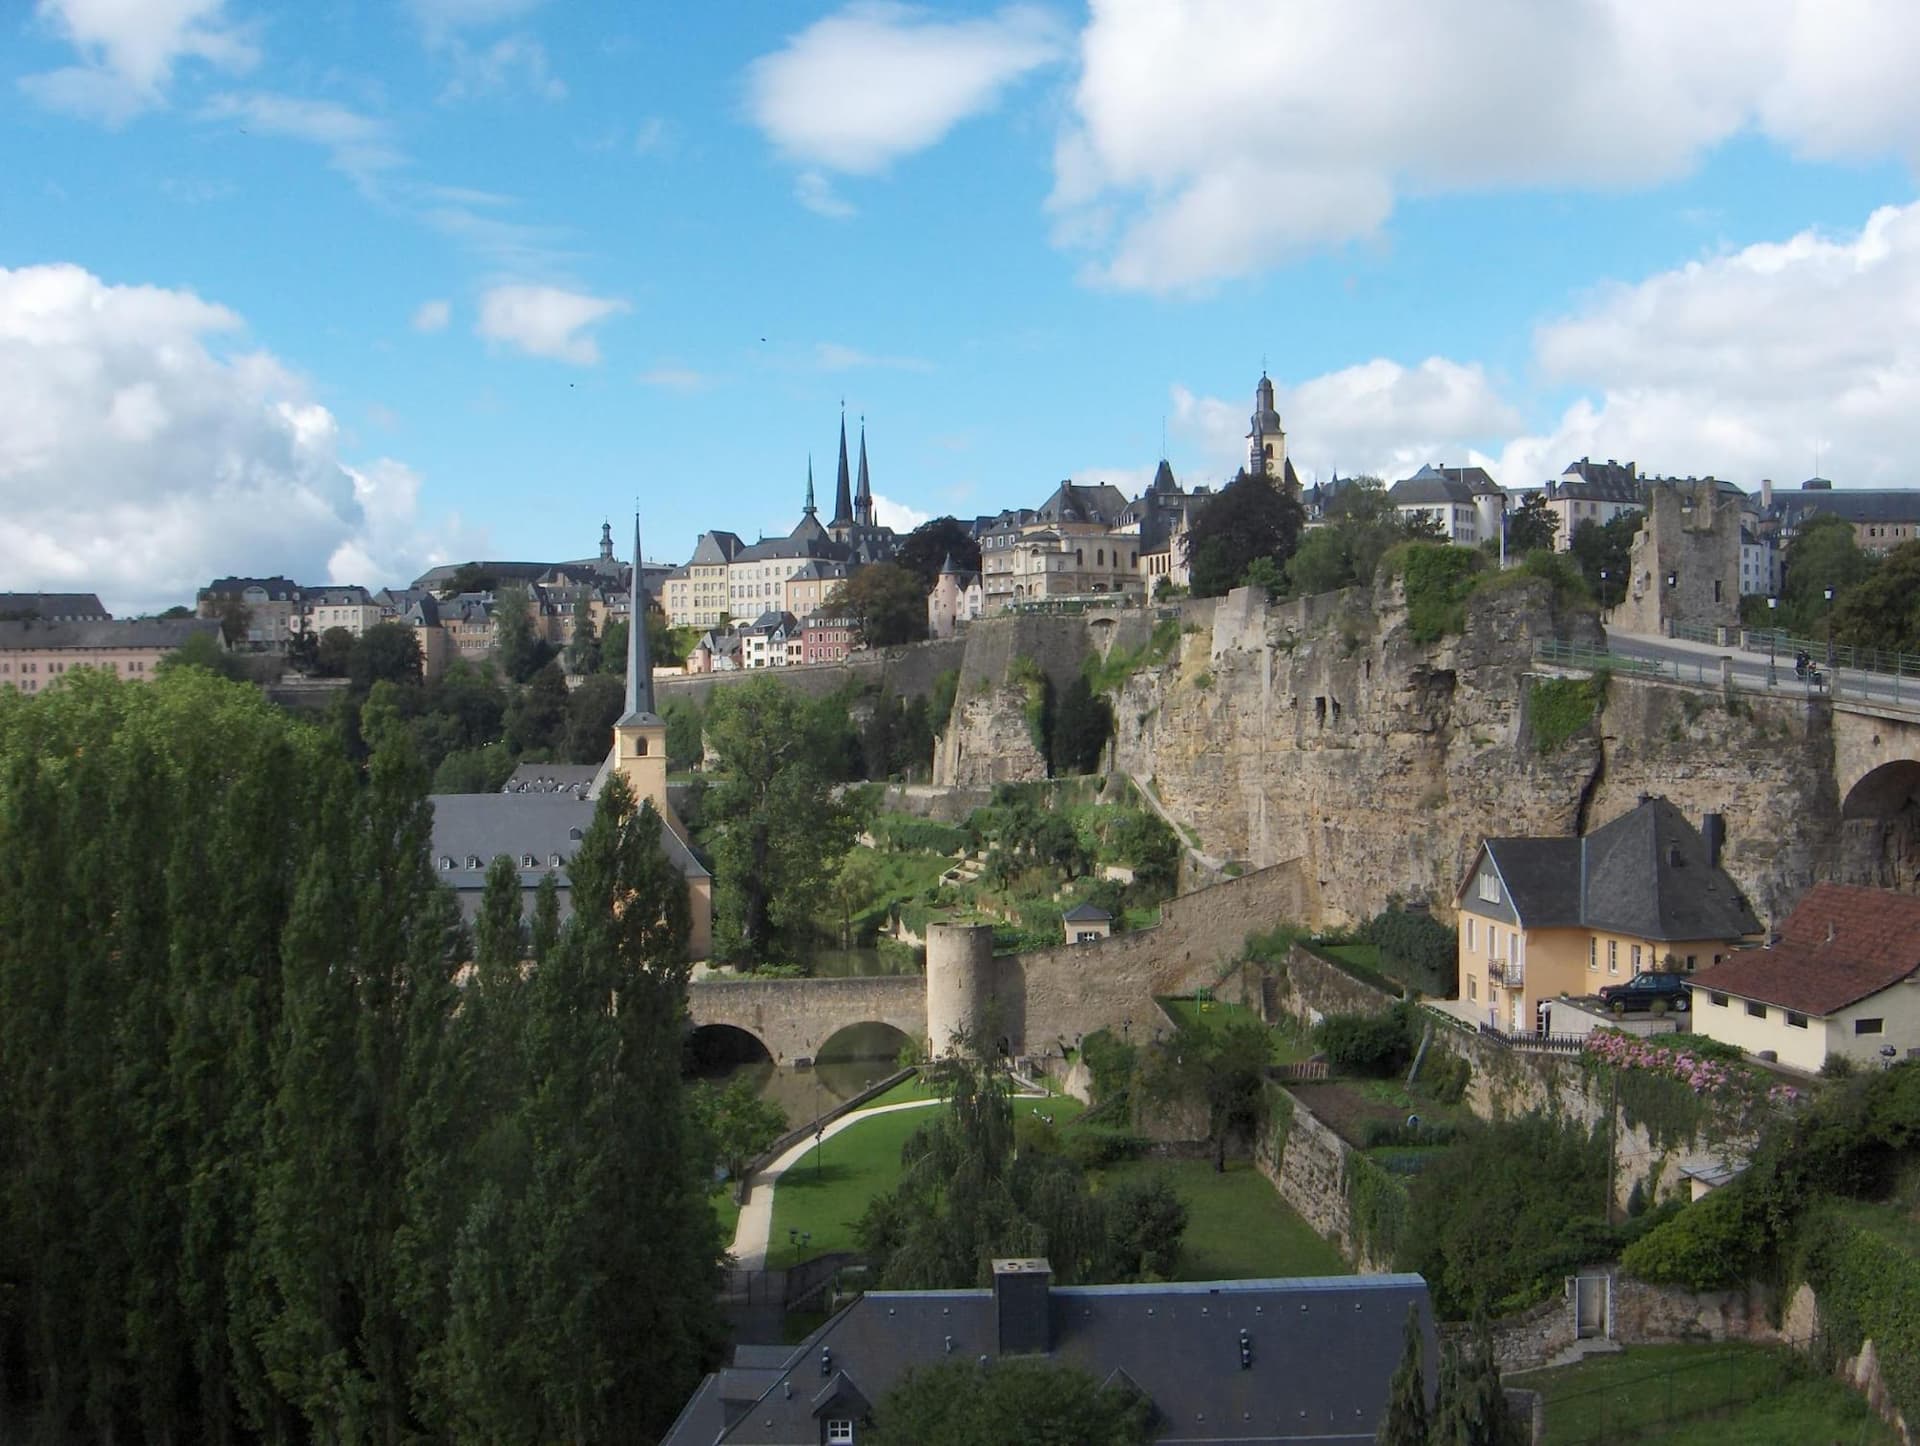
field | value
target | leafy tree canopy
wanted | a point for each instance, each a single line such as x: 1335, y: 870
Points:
x: 1249, y: 518
x: 924, y: 551
x: 886, y: 602
x: 1532, y: 525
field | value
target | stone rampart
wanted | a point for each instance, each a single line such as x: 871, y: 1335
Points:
x: 793, y: 1018
x: 909, y: 670
x: 1312, y: 1173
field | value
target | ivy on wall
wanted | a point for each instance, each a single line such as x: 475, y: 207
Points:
x: 1869, y: 1290
x: 1377, y: 1205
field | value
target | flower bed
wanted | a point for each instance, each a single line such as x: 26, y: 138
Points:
x: 1675, y: 1085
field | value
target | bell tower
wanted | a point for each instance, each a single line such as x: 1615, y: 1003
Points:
x: 640, y: 737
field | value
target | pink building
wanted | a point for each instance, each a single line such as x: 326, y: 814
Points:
x: 827, y: 639
x: 35, y: 654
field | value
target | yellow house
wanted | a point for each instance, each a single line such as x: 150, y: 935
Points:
x: 1545, y: 917
x: 1843, y: 978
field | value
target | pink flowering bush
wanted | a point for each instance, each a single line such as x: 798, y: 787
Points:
x: 1711, y: 1083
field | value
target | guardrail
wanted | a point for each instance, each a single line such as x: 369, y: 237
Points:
x: 1579, y: 655
x: 1885, y: 661
x: 1521, y: 1039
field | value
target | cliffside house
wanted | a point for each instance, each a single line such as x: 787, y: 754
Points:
x: 1545, y: 917
x: 1842, y: 978
x: 1087, y: 923
x: 1242, y: 1361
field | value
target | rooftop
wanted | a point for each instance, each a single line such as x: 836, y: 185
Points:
x: 1840, y: 945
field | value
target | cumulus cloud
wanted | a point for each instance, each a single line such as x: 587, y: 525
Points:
x: 897, y: 515
x: 128, y: 50
x: 1743, y: 364
x: 432, y: 316
x: 861, y: 88
x: 142, y: 453
x: 546, y: 321
x: 1211, y: 139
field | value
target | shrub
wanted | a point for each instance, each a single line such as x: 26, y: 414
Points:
x: 1379, y: 1134
x: 1836, y: 1066
x: 1417, y: 949
x: 1090, y: 1149
x: 1367, y: 1044
x: 1438, y: 578
x: 1558, y: 708
x: 1444, y: 1076
x: 1110, y: 1061
x: 1709, y: 1245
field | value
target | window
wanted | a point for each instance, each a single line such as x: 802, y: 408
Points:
x: 1796, y: 1021
x: 1613, y: 956
x: 1689, y: 963
x: 1593, y: 953
x: 1473, y: 986
x: 1490, y: 886
x: 1719, y: 1000
x: 1636, y: 958
x: 1469, y: 934
x: 1757, y: 1011
x: 839, y: 1433
x: 1868, y: 1026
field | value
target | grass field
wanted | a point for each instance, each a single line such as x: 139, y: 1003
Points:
x: 1238, y: 1228
x: 726, y: 1211
x: 1728, y: 1394
x: 1284, y: 1046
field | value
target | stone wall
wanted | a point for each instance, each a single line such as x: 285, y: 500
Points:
x: 1691, y: 536
x: 793, y: 1018
x: 1311, y: 1174
x: 987, y: 739
x: 909, y: 671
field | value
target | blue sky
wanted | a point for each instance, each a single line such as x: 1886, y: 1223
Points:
x: 344, y: 289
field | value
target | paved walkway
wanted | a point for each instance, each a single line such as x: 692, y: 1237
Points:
x: 750, y: 1236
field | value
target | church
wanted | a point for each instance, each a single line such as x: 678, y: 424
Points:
x: 540, y: 817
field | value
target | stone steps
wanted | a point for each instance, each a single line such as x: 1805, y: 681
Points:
x: 1581, y: 1349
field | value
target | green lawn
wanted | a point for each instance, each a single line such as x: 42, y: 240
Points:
x: 726, y: 1210
x: 1722, y: 1395
x: 1285, y: 1046
x: 1238, y: 1228
x: 915, y: 1087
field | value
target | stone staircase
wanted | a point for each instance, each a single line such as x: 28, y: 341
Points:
x: 1581, y: 1349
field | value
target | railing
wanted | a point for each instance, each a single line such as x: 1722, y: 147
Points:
x: 1506, y: 971
x: 1298, y: 1072
x: 1781, y: 643
x: 1750, y: 676
x: 1579, y: 655
x: 1533, y: 1040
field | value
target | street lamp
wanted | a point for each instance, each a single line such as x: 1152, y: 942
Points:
x: 1773, y: 639
x: 1603, y: 587
x: 1829, y: 595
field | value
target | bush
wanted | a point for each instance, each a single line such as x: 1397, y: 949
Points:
x: 1558, y: 708
x: 1145, y: 1220
x: 1376, y: 1045
x: 1836, y: 1066
x: 1417, y: 949
x: 1710, y: 1245
x: 1444, y: 1076
x: 919, y: 835
x: 1438, y: 579
x: 1378, y: 1134
x: 1110, y: 1061
x: 1090, y: 1149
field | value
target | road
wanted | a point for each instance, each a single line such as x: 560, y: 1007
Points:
x: 1700, y: 662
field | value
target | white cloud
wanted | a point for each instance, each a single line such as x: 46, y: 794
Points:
x: 140, y: 455
x: 440, y: 18
x: 832, y: 356
x: 816, y: 193
x: 1743, y: 364
x: 510, y: 62
x: 897, y: 515
x: 356, y: 145
x: 676, y: 379
x: 861, y: 88
x: 546, y: 321
x: 128, y: 51
x: 432, y: 316
x: 1211, y: 139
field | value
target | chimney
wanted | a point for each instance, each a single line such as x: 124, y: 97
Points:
x: 1713, y: 832
x: 1766, y: 492
x: 1021, y: 1291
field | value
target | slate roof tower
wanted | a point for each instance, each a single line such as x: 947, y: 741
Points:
x: 863, y: 499
x: 843, y: 489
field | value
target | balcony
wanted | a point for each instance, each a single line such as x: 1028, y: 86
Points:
x: 1506, y: 971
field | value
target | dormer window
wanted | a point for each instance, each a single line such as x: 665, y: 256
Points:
x: 473, y: 861
x: 446, y: 863
x: 556, y: 861
x: 527, y: 861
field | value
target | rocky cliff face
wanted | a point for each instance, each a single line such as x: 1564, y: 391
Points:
x: 1320, y: 732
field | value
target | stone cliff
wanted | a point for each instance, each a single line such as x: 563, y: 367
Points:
x: 1319, y: 732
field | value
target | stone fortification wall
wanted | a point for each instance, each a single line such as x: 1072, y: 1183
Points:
x: 1684, y: 566
x: 987, y: 740
x: 909, y: 671
x: 1311, y: 1172
x: 794, y: 1017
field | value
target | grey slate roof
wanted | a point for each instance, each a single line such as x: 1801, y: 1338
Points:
x: 1084, y: 913
x: 1322, y: 1353
x: 1432, y: 485
x: 1855, y: 504
x: 715, y: 549
x: 552, y: 778
x: 1074, y: 502
x: 277, y: 588
x: 108, y: 633
x: 1645, y: 874
x: 55, y: 606
x: 1591, y: 481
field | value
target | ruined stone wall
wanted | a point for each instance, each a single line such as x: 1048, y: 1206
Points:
x: 1684, y: 565
x: 1310, y: 1173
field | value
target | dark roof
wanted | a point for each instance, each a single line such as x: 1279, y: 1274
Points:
x: 486, y: 825
x: 1433, y: 484
x: 1841, y: 944
x: 796, y: 546
x: 1591, y: 481
x: 809, y: 529
x: 576, y: 778
x: 1163, y: 478
x: 1646, y: 873
x: 1323, y: 1353
x: 107, y: 633
x: 55, y: 606
x: 1083, y: 912
x: 715, y: 548
x: 277, y: 588
x: 1099, y: 502
x: 1855, y: 504
x: 337, y: 597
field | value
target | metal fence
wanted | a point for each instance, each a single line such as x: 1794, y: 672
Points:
x: 1527, y: 1039
x: 1707, y: 672
x: 1781, y: 643
x: 1632, y: 1407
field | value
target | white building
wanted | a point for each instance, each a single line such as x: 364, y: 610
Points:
x: 1465, y: 502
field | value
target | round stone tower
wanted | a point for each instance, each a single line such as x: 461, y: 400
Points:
x: 959, y: 982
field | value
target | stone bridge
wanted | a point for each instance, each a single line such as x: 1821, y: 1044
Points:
x: 1876, y: 758
x: 794, y: 1018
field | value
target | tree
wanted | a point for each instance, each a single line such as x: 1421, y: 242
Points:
x: 201, y: 651
x: 1405, y: 1423
x: 958, y: 1403
x: 1221, y: 1068
x: 683, y: 720
x: 522, y: 651
x: 777, y: 828
x: 664, y: 648
x: 385, y: 652
x: 583, y: 652
x: 538, y: 715
x: 1145, y: 1222
x: 1598, y: 548
x: 303, y: 652
x: 925, y: 550
x: 1822, y: 555
x: 332, y: 652
x: 1471, y: 1408
x: 235, y: 619
x: 469, y: 577
x: 738, y: 1122
x: 613, y: 649
x: 1250, y: 517
x: 592, y: 710
x: 1531, y: 525
x: 1883, y: 609
x: 886, y: 602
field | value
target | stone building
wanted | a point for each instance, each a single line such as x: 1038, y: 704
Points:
x: 958, y: 597
x: 1589, y: 491
x: 1684, y: 567
x: 33, y: 654
x: 1466, y: 503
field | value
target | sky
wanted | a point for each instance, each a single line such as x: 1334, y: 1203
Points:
x: 346, y: 289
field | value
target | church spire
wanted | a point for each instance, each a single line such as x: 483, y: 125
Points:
x: 843, y: 489
x: 810, y: 509
x: 863, y: 499
x: 639, y: 663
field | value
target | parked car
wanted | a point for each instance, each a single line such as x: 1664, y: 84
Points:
x: 1641, y: 992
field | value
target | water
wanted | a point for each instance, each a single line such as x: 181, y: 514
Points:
x: 856, y: 1057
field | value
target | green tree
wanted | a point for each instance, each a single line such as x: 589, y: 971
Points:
x: 583, y: 652
x: 1082, y: 724
x: 1531, y: 525
x: 958, y: 1403
x: 517, y: 641
x: 1248, y: 518
x: 202, y: 651
x: 777, y: 828
x: 384, y: 653
x: 613, y: 648
x: 683, y: 719
x: 332, y: 652
x: 538, y: 715
x: 1882, y: 609
x: 886, y: 602
x: 1471, y: 1409
x: 303, y: 652
x: 1822, y: 555
x: 1223, y: 1069
x: 1146, y: 1220
x: 1599, y: 548
x: 1405, y: 1423
x: 925, y: 550
x: 474, y: 770
x: 592, y: 710
x: 235, y: 620
x: 738, y: 1122
x: 469, y: 577
x: 1323, y: 562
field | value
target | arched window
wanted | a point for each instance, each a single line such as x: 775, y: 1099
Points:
x: 1100, y: 557
x: 640, y: 746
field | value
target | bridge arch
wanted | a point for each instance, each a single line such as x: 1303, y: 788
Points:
x: 865, y: 1039
x: 1886, y: 790
x: 793, y: 1018
x: 717, y: 1046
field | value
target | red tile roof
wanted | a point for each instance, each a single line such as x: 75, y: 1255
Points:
x: 1840, y: 945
